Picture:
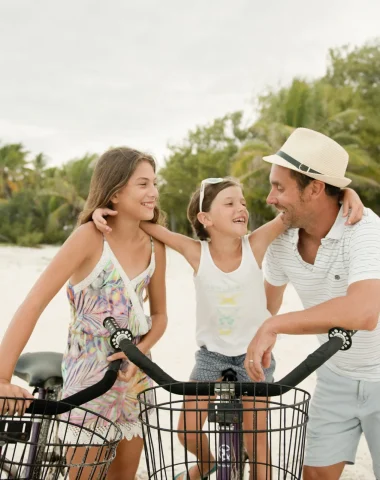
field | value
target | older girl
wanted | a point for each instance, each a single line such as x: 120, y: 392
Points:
x: 106, y: 277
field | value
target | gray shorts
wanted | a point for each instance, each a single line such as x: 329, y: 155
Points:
x: 341, y: 410
x: 210, y: 365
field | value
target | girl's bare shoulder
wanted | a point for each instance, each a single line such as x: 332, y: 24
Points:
x: 87, y: 236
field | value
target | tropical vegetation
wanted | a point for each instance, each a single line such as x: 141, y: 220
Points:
x: 40, y: 203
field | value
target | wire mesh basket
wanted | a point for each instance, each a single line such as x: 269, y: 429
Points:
x: 43, y: 445
x: 228, y: 438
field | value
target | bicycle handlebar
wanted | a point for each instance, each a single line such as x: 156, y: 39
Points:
x: 50, y: 407
x: 121, y: 338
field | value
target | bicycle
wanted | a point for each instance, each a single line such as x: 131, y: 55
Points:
x: 286, y: 419
x: 36, y: 445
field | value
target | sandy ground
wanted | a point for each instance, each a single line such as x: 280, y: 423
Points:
x: 20, y: 267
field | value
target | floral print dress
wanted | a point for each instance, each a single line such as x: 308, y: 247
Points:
x: 106, y: 291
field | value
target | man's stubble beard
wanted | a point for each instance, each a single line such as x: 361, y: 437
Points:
x: 293, y: 219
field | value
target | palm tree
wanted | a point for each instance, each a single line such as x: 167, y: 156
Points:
x: 68, y: 188
x: 35, y: 172
x: 12, y: 168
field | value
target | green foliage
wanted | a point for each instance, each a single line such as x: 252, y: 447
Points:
x: 40, y: 204
x: 42, y: 207
x: 31, y: 239
x: 20, y: 216
x: 359, y: 69
x: 12, y: 167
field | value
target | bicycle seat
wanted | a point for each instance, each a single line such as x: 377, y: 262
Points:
x: 40, y: 368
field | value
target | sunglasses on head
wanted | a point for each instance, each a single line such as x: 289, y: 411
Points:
x: 210, y: 181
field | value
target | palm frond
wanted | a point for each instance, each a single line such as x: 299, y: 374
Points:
x: 362, y: 181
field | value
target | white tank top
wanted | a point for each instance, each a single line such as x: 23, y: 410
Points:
x: 230, y: 306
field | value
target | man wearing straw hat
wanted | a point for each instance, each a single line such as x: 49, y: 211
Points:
x: 335, y: 270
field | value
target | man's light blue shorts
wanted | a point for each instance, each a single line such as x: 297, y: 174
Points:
x: 341, y: 410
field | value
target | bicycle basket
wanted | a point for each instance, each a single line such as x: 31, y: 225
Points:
x: 79, y: 444
x: 260, y: 433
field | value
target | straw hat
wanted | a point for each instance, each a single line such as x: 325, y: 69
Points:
x: 314, y: 155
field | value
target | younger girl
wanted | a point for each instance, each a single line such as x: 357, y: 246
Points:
x: 106, y: 278
x: 230, y: 303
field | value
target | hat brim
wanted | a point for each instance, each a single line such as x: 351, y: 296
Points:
x: 339, y: 182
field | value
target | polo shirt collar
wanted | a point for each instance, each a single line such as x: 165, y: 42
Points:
x: 335, y: 233
x: 337, y: 230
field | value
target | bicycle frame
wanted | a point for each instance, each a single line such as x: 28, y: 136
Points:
x: 29, y: 471
x: 230, y: 462
x: 230, y: 450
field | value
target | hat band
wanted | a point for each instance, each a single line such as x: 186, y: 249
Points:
x: 296, y: 163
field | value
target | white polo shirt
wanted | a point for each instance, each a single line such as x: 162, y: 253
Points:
x: 347, y: 254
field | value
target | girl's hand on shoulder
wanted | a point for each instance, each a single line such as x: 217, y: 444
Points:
x: 17, y: 399
x: 353, y: 207
x: 100, y: 222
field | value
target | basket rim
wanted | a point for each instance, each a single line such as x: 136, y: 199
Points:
x: 91, y: 429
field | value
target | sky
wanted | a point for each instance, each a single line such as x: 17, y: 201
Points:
x: 82, y: 75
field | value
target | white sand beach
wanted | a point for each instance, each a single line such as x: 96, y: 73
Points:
x: 20, y: 267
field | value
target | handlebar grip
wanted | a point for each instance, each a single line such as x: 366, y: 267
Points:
x: 345, y: 335
x: 116, y: 333
x: 110, y: 324
x: 315, y: 360
x: 50, y: 407
x: 145, y: 363
x: 115, y: 366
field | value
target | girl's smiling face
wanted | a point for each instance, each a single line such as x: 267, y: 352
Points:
x: 139, y: 196
x: 228, y: 213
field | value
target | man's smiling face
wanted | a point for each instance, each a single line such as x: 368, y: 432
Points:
x: 287, y: 198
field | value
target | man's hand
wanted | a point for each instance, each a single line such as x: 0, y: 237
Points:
x: 259, y: 352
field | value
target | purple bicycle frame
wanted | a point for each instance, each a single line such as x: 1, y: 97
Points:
x: 230, y: 453
x: 230, y: 450
x: 29, y: 474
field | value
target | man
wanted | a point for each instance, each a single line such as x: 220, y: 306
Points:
x: 335, y: 269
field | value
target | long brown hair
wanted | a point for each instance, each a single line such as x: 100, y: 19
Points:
x: 210, y: 192
x: 112, y: 172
